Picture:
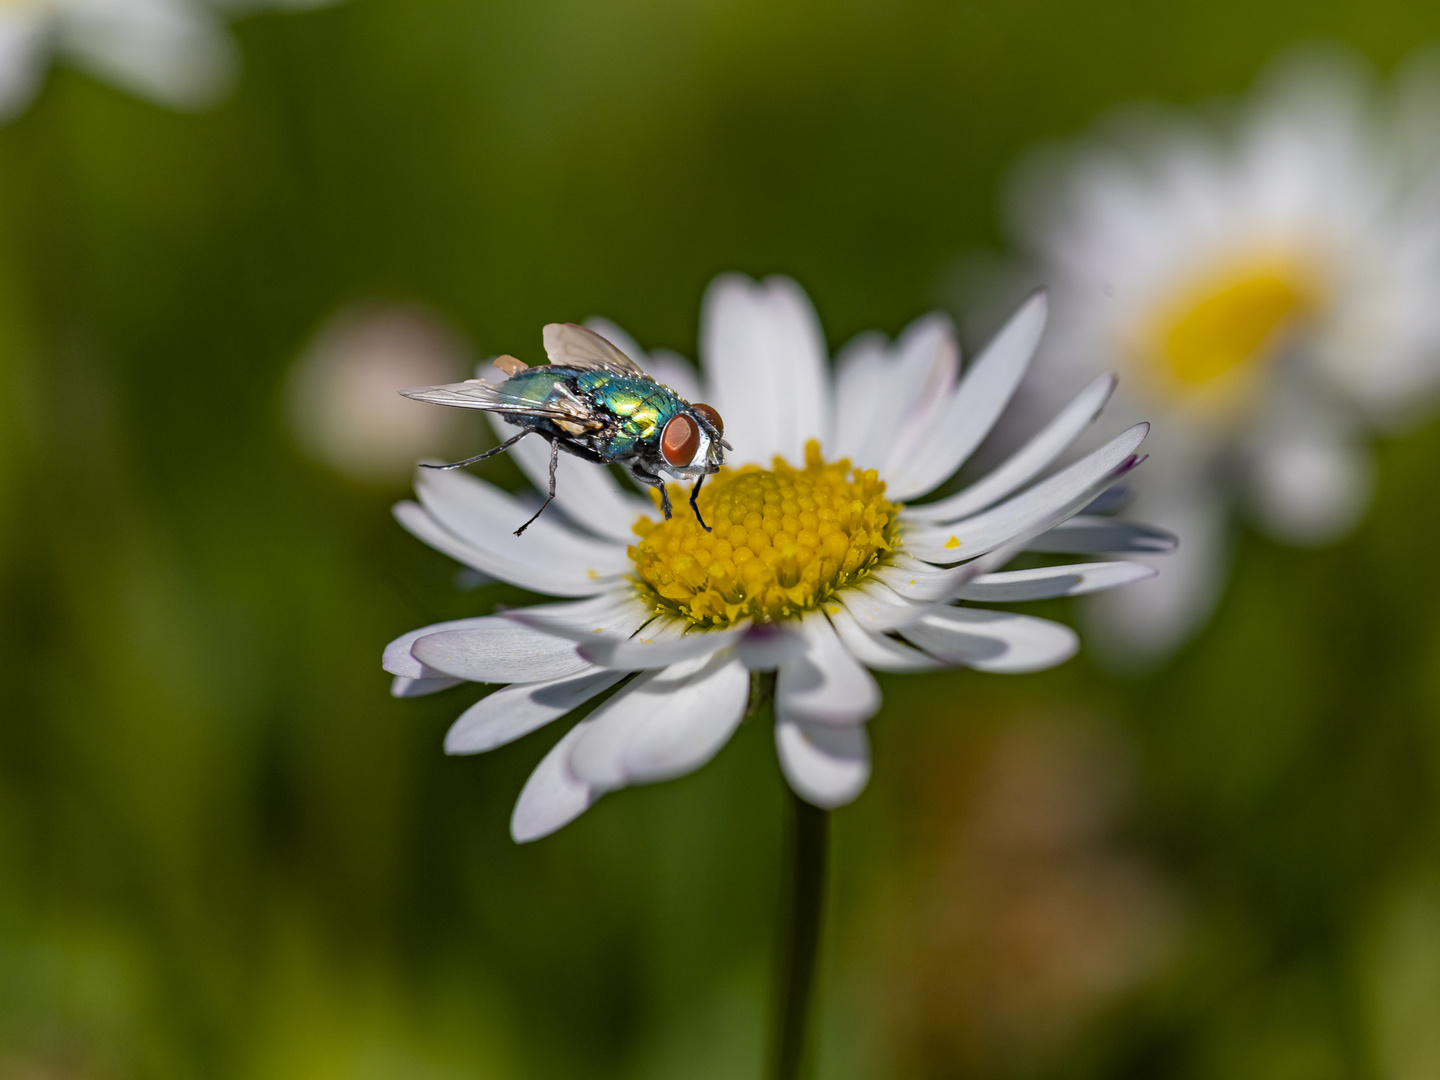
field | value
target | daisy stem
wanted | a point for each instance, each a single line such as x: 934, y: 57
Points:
x: 807, y: 836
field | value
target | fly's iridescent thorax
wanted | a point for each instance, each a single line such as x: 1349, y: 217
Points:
x: 639, y: 408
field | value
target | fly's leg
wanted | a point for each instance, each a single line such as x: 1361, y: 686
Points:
x: 651, y: 480
x: 554, y: 461
x: 481, y: 457
x: 694, y: 493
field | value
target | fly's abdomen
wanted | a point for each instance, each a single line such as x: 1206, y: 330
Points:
x: 537, y: 384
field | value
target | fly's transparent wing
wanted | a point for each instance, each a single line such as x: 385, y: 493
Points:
x: 568, y: 345
x: 479, y: 394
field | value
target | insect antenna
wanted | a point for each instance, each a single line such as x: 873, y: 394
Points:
x: 554, y: 461
x: 481, y: 457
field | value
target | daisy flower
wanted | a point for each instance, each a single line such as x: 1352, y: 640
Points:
x: 174, y: 52
x: 820, y: 566
x: 1263, y: 278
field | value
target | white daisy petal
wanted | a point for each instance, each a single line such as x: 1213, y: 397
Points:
x: 669, y: 746
x: 860, y: 374
x: 1083, y: 534
x: 636, y: 654
x: 1045, y: 582
x: 696, y: 694
x: 886, y: 399
x: 766, y: 646
x: 402, y: 687
x: 1310, y: 487
x: 517, y: 710
x: 877, y: 607
x: 620, y: 612
x: 600, y: 624
x: 554, y: 578
x: 173, y: 53
x: 827, y: 766
x: 764, y: 359
x: 549, y: 557
x: 825, y: 684
x: 927, y: 366
x: 996, y: 641
x: 553, y: 796
x: 1134, y: 628
x: 588, y: 494
x: 415, y: 520
x: 398, y: 661
x: 878, y: 651
x: 972, y: 410
x: 1056, y: 498
x: 23, y: 58
x: 924, y: 583
x: 499, y: 651
x: 481, y: 513
x: 664, y: 640
x: 1027, y: 463
x: 1110, y: 501
x: 499, y: 648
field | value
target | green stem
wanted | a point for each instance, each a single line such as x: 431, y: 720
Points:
x: 807, y: 842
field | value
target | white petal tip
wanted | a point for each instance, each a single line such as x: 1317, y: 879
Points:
x: 538, y: 817
x: 403, y: 686
x: 827, y: 767
x: 521, y: 835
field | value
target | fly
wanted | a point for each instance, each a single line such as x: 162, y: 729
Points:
x: 593, y: 401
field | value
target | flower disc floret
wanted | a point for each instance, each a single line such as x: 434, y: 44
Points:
x: 782, y: 541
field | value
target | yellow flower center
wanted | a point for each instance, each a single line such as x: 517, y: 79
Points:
x: 1216, y: 334
x: 783, y: 541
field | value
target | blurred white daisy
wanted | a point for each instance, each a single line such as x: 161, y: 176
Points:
x: 341, y: 393
x: 176, y: 53
x: 1264, y: 279
x: 818, y: 566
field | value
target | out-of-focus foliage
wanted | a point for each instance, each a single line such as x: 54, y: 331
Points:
x: 226, y: 852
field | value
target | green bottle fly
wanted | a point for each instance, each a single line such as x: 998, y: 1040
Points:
x: 593, y: 401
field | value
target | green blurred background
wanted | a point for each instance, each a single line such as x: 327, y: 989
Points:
x: 225, y: 851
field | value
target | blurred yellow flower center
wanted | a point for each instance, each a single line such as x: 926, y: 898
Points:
x: 783, y: 541
x: 1224, y: 321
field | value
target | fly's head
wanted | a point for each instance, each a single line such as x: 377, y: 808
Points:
x: 692, y: 443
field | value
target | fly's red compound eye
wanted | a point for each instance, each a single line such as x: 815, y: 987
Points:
x: 680, y: 440
x: 711, y: 417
